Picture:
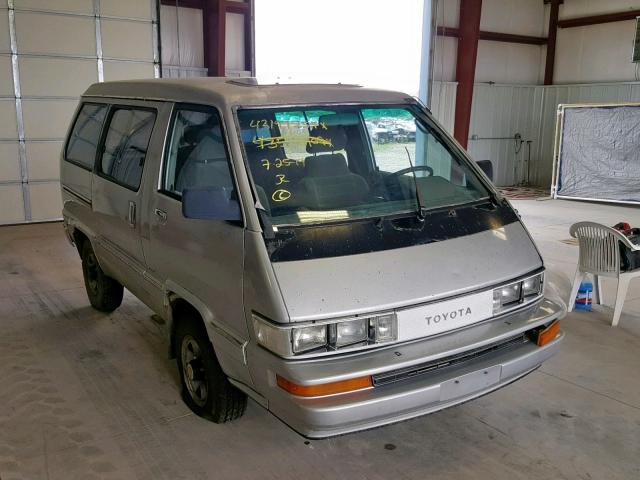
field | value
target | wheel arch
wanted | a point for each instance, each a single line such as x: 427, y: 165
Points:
x: 179, y: 300
x: 228, y: 347
x: 178, y: 308
x: 79, y: 237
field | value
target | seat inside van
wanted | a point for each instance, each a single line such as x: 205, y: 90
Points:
x: 204, y: 162
x: 328, y: 182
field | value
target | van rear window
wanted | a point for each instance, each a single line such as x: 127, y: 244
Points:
x: 83, y: 142
x: 125, y: 146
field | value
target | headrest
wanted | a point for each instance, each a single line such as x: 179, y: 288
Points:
x: 329, y: 139
x: 191, y: 134
x: 333, y: 165
x: 331, y: 128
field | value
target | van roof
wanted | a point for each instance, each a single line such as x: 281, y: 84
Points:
x: 228, y: 92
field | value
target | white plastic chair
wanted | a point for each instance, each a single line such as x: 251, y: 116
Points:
x: 599, y: 255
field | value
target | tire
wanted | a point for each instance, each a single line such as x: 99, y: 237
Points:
x: 105, y: 293
x: 205, y: 388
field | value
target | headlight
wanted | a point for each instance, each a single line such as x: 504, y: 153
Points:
x: 348, y: 333
x: 385, y: 328
x: 513, y: 294
x: 532, y: 286
x: 290, y: 340
x: 507, y: 294
x: 309, y: 338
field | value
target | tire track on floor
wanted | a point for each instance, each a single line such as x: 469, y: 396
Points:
x: 145, y: 439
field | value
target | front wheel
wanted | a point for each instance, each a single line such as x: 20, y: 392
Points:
x: 105, y: 293
x: 205, y: 388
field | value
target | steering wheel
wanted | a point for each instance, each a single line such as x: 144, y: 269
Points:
x: 392, y: 189
x: 416, y: 168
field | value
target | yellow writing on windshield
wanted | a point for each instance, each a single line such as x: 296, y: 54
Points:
x: 280, y: 141
x: 288, y: 162
x: 269, y: 142
x: 264, y: 123
x: 280, y: 179
x: 282, y: 163
x: 319, y: 141
x: 281, y: 195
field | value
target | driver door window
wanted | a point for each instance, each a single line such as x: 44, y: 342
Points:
x: 197, y: 156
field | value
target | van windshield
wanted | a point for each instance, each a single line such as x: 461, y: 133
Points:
x: 324, y: 164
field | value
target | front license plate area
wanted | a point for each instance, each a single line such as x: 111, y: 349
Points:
x: 471, y: 382
x: 440, y: 317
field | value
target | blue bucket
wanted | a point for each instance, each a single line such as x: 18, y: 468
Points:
x: 585, y: 296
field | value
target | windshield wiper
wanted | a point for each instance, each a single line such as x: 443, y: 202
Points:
x: 421, y: 209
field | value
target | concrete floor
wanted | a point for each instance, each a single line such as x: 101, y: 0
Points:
x: 85, y: 395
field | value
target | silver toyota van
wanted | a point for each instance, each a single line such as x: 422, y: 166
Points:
x: 327, y: 250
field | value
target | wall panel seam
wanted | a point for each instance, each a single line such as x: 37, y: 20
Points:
x: 22, y: 151
x: 98, y: 26
x: 87, y: 15
x: 155, y: 38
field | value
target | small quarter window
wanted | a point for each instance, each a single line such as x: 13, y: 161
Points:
x: 83, y: 142
x: 125, y: 146
x: 197, y: 157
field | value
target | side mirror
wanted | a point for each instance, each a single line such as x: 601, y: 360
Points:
x: 487, y: 167
x: 210, y: 203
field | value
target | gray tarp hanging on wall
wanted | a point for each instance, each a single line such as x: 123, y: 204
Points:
x: 600, y: 153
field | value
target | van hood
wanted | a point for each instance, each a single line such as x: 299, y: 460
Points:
x: 383, y: 280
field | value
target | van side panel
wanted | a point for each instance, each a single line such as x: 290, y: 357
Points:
x: 75, y: 183
x: 76, y: 179
x: 261, y: 289
x: 196, y: 260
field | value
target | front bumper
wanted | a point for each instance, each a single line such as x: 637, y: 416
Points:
x: 412, y: 395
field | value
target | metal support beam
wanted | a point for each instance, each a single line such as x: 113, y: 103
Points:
x: 237, y: 7
x: 213, y: 22
x: 184, y: 3
x: 512, y: 38
x: 426, y: 52
x: 551, y: 42
x: 250, y: 38
x: 470, y: 11
x: 495, y: 36
x: 596, y: 19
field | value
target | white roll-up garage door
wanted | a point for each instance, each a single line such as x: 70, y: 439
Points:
x: 50, y: 52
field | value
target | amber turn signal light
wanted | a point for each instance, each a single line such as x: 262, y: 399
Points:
x: 548, y: 334
x: 324, y: 388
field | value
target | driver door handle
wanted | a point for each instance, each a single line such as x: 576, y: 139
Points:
x: 132, y: 214
x: 161, y: 214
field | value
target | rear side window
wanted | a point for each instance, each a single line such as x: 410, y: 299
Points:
x: 83, y: 142
x: 197, y: 156
x: 125, y: 146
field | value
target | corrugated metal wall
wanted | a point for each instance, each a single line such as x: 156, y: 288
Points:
x: 443, y: 103
x: 182, y: 42
x: 50, y: 52
x: 501, y: 111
